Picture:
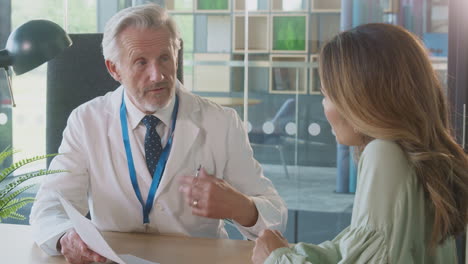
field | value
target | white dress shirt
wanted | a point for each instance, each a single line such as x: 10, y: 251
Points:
x: 98, y: 180
x: 134, y: 117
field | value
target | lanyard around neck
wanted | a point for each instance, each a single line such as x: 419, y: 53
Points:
x: 146, y: 207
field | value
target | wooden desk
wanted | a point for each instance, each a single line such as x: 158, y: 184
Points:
x: 232, y: 101
x: 17, y: 246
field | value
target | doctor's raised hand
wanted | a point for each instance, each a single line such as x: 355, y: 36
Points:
x: 215, y: 198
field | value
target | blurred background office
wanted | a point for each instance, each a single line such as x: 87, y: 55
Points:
x: 259, y: 57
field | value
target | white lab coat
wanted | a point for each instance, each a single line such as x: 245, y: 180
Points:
x: 98, y: 180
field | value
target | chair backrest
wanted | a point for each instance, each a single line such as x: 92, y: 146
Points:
x: 285, y: 114
x: 75, y: 76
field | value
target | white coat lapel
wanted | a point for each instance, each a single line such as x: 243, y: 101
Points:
x: 185, y: 134
x: 113, y: 112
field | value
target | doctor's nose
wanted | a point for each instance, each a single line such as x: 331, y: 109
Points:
x: 156, y: 74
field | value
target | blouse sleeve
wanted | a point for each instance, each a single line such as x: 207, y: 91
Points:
x: 358, y: 245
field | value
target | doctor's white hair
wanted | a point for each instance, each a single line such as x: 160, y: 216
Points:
x: 148, y: 16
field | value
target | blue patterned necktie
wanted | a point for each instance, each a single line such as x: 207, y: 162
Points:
x: 153, y: 147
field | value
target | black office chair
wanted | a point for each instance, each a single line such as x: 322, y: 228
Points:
x: 284, y: 115
x: 75, y: 76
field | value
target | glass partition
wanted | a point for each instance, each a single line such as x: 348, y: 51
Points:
x: 265, y: 54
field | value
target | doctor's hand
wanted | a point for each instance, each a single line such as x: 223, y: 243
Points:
x: 76, y: 251
x: 211, y: 197
x: 267, y: 242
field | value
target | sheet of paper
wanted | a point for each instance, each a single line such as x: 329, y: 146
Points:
x: 88, y: 232
x: 93, y: 238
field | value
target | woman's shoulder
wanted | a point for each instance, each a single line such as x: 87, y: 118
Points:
x: 386, y: 187
x: 379, y: 147
x: 385, y: 173
x: 384, y: 154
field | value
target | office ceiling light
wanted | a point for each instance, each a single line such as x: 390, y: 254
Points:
x: 32, y: 44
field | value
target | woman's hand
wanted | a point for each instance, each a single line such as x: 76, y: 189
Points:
x: 267, y: 242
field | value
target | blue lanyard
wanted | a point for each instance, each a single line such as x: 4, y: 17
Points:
x: 159, y: 167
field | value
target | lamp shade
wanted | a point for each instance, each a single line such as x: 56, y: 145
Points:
x: 32, y: 44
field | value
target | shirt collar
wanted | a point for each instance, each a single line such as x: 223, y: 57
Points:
x: 134, y: 115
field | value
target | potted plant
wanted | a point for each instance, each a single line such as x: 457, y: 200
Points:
x: 9, y: 192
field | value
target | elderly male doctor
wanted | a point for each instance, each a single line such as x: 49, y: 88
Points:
x: 132, y: 154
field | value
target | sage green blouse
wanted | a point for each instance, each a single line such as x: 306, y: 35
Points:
x: 390, y: 221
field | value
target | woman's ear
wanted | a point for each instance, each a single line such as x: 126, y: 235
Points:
x: 113, y: 71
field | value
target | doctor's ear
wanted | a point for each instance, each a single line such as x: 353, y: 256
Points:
x: 113, y: 71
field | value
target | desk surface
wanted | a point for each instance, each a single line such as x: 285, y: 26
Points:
x: 17, y: 246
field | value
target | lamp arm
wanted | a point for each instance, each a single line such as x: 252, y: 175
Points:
x: 8, y: 75
x: 5, y: 59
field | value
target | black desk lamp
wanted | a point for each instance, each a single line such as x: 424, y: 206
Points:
x: 30, y: 45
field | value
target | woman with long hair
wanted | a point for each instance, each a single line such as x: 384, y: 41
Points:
x: 382, y: 96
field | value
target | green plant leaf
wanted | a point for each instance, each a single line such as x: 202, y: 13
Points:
x: 15, y: 202
x: 7, y: 171
x: 13, y: 206
x: 9, y: 187
x: 16, y: 216
x: 9, y: 203
x: 6, y: 153
x: 11, y: 196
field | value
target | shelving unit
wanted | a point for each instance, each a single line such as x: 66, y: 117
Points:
x: 180, y: 6
x: 258, y: 33
x: 213, y: 33
x: 278, y: 31
x: 258, y: 76
x: 325, y: 6
x: 212, y: 6
x: 289, y: 33
x: 252, y: 5
x: 284, y: 80
x: 211, y: 78
x: 314, y: 78
x: 323, y: 26
x: 289, y: 5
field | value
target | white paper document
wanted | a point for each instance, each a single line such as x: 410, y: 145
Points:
x: 93, y: 238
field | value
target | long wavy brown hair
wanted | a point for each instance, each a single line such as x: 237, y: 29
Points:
x: 381, y: 80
